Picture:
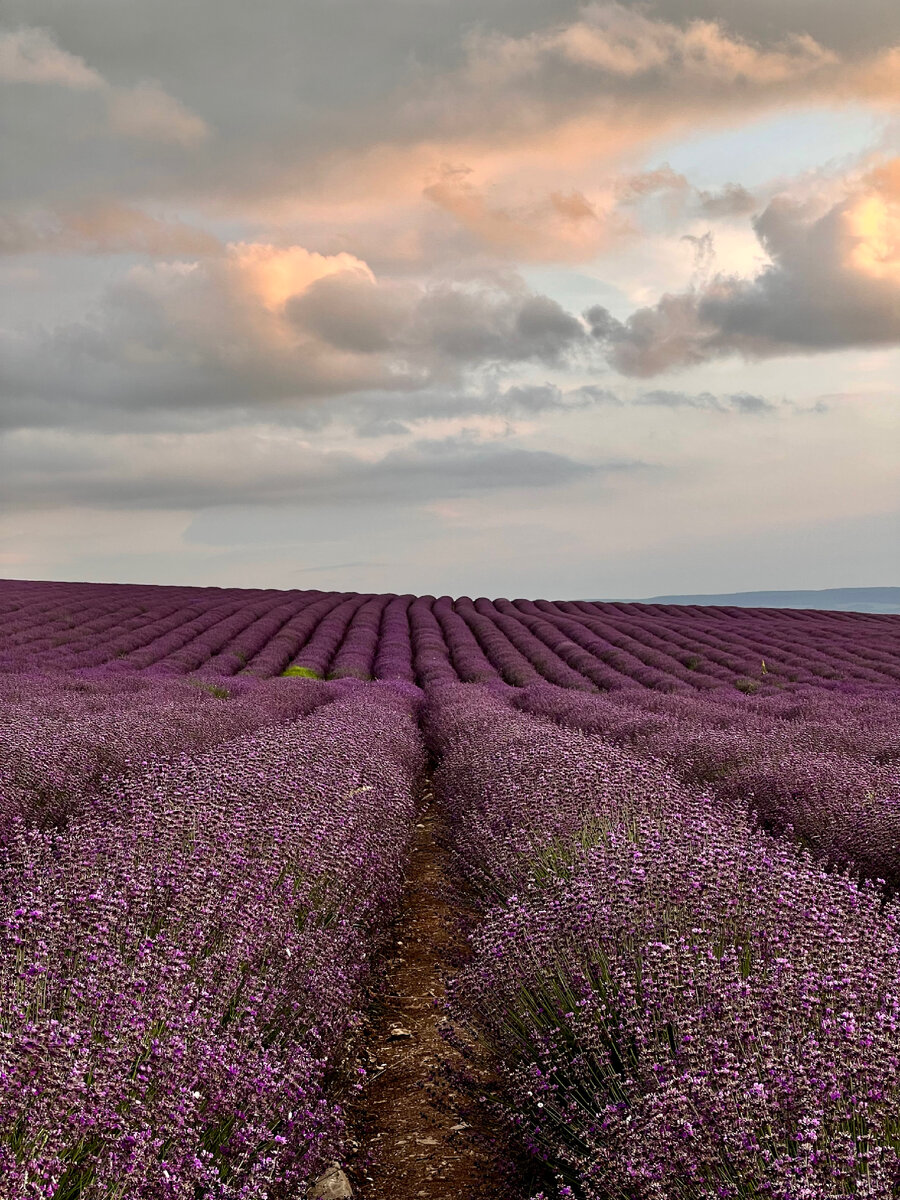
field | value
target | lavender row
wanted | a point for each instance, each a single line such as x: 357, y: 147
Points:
x: 64, y: 738
x: 823, y: 768
x: 182, y: 971
x: 681, y: 1007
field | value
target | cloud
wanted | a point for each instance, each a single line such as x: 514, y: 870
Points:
x: 264, y: 325
x: 546, y: 397
x: 850, y: 30
x: 103, y: 227
x: 612, y: 51
x: 730, y: 201
x: 623, y: 42
x: 262, y: 467
x: 833, y: 282
x: 473, y: 327
x: 561, y: 226
x: 146, y: 111
x: 276, y: 273
x: 32, y: 56
x: 617, y: 60
x: 351, y: 311
x: 399, y: 415
x: 311, y: 127
x: 633, y: 188
x: 742, y: 403
x: 443, y: 327
x: 674, y: 197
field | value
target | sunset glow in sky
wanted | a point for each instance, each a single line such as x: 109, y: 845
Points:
x: 504, y: 297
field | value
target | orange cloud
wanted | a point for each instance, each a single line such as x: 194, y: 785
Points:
x: 559, y: 227
x: 544, y: 123
x: 274, y: 274
x: 873, y: 222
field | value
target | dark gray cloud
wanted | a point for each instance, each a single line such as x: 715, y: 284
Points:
x: 833, y: 283
x: 387, y: 415
x: 740, y: 402
x: 350, y: 311
x: 214, y: 471
x: 458, y: 325
x: 730, y: 201
x: 189, y: 340
x: 472, y: 328
x: 378, y: 426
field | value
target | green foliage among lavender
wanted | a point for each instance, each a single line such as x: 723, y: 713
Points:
x: 683, y: 1006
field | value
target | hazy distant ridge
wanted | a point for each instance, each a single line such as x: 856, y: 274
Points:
x: 871, y: 600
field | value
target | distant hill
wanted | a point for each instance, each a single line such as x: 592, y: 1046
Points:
x: 863, y: 600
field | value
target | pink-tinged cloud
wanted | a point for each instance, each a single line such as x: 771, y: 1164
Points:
x: 873, y: 223
x: 30, y: 55
x: 275, y: 273
x: 561, y: 226
x: 104, y: 227
x: 618, y: 65
x: 146, y: 111
x: 523, y: 147
x: 624, y: 42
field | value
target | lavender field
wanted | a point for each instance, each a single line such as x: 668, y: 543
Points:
x: 212, y: 633
x: 672, y: 835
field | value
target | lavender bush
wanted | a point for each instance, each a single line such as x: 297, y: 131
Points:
x: 58, y: 749
x: 182, y: 967
x: 820, y: 767
x: 682, y: 1006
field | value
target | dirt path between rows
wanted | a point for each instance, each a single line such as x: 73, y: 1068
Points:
x: 425, y: 1137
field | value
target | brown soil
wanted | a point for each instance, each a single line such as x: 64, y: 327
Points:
x: 423, y: 1133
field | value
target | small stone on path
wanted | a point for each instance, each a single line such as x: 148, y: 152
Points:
x: 332, y: 1184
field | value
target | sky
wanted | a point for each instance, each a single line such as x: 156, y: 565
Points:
x: 475, y: 297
